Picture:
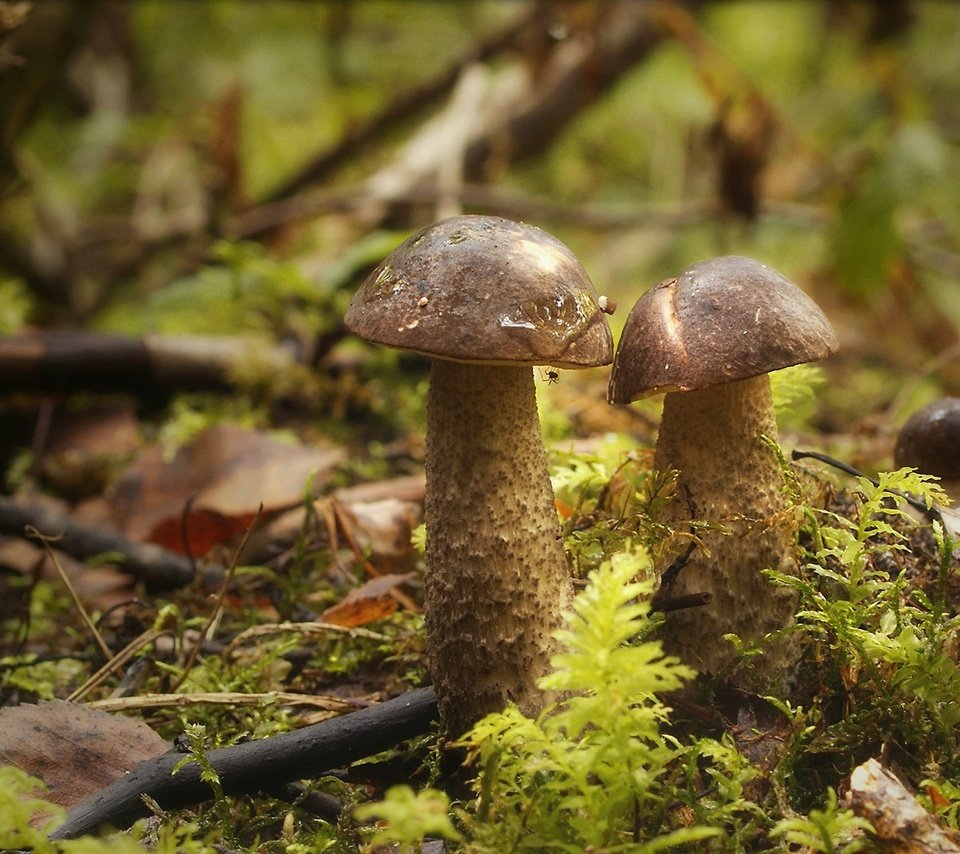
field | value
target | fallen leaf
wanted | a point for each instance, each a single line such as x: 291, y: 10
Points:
x: 382, y: 530
x: 75, y: 750
x: 217, y: 483
x: 204, y: 529
x: 369, y: 602
x: 379, y: 518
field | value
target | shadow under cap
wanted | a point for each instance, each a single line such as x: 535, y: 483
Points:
x: 484, y: 289
x: 722, y: 320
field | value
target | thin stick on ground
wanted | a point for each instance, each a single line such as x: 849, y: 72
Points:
x: 33, y: 533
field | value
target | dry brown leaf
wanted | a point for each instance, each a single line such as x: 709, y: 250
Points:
x: 379, y: 528
x: 382, y: 530
x: 369, y: 602
x: 223, y: 476
x: 75, y: 750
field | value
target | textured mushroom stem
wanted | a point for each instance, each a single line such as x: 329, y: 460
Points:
x: 727, y: 475
x: 497, y: 578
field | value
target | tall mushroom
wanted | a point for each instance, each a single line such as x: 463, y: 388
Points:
x: 487, y: 299
x: 708, y: 340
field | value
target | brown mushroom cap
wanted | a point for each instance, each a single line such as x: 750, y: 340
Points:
x: 929, y: 440
x: 484, y: 289
x: 722, y: 320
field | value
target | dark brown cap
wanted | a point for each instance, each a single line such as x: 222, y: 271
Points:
x: 484, y: 289
x: 929, y: 441
x: 722, y: 320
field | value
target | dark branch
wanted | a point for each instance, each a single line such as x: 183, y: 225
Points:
x: 255, y: 765
x: 84, y: 361
x: 932, y: 512
x: 158, y: 567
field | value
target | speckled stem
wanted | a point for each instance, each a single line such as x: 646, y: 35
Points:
x: 729, y: 476
x: 497, y: 577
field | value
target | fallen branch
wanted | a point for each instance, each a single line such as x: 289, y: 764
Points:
x: 323, y: 702
x: 900, y: 824
x: 254, y: 766
x: 402, y: 107
x: 356, y: 198
x: 158, y: 567
x: 73, y: 361
x: 578, y: 72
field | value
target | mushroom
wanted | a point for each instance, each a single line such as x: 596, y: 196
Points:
x: 929, y: 442
x: 488, y: 299
x: 708, y: 340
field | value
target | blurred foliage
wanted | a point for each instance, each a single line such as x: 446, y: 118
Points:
x: 818, y: 137
x: 14, y: 306
x: 863, y: 127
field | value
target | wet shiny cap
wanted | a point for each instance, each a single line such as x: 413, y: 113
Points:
x: 929, y: 440
x: 484, y: 289
x: 722, y: 320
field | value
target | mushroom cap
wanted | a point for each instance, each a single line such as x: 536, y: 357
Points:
x: 484, y: 289
x: 722, y: 320
x: 929, y: 440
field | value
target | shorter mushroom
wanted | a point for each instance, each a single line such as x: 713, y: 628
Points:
x: 708, y: 340
x: 929, y: 442
x: 488, y: 299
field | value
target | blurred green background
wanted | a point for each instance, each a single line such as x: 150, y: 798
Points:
x: 153, y: 157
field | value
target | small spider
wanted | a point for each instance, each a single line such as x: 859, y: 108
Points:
x: 551, y: 375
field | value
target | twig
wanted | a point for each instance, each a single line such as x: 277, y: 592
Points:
x: 75, y: 360
x: 400, y: 108
x: 680, y: 603
x: 523, y: 120
x: 116, y: 662
x: 946, y: 517
x: 218, y: 607
x: 256, y: 221
x: 185, y: 531
x: 33, y: 533
x: 224, y: 698
x: 931, y: 512
x: 255, y: 765
x: 306, y: 629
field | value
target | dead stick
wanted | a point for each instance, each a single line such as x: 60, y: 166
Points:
x: 932, y: 512
x: 76, y: 360
x: 158, y: 567
x: 899, y: 824
x: 46, y: 541
x: 255, y: 765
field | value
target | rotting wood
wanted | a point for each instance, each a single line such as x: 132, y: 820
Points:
x: 900, y: 824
